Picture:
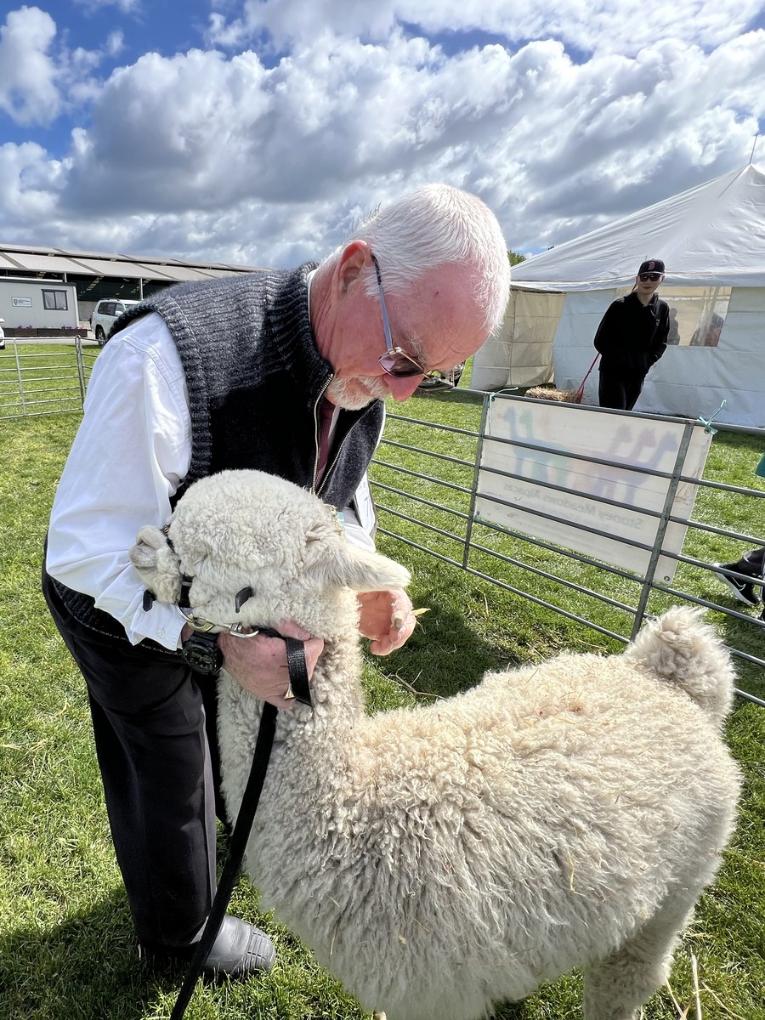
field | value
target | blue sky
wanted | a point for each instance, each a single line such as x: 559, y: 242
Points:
x: 260, y: 131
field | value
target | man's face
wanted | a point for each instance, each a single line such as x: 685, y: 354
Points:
x: 648, y: 283
x: 437, y: 322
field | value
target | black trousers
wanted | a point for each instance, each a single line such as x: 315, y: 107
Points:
x: 154, y: 727
x: 752, y: 563
x: 619, y: 390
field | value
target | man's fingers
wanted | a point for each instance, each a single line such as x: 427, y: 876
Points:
x: 288, y: 628
x: 313, y: 650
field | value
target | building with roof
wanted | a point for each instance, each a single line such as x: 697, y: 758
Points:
x: 96, y: 275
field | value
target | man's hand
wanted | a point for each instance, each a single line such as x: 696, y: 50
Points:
x: 387, y: 618
x: 259, y: 664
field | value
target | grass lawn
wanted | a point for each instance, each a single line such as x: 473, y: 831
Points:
x: 66, y: 944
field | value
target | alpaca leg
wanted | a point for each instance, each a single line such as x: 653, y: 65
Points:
x: 616, y: 988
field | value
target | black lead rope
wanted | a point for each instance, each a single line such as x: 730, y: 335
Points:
x: 264, y: 743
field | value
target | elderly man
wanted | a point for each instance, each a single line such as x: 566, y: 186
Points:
x: 281, y: 371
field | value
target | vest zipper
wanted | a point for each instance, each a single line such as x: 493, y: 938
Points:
x: 316, y: 433
x: 329, y: 467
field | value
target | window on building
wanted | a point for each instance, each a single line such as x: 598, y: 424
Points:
x: 55, y: 300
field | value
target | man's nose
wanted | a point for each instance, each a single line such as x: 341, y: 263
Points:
x: 401, y: 387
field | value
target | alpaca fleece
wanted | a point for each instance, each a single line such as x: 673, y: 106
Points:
x: 443, y: 858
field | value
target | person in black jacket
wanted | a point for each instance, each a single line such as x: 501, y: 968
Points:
x: 631, y: 337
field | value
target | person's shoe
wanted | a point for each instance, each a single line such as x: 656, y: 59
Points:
x: 240, y: 949
x: 743, y: 590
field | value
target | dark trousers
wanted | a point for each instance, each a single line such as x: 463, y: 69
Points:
x: 151, y: 718
x: 751, y: 563
x: 619, y: 390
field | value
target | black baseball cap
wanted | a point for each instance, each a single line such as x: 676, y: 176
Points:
x: 651, y: 266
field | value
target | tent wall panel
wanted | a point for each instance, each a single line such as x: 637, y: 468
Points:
x: 694, y: 382
x: 522, y: 353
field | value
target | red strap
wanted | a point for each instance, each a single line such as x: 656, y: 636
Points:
x: 580, y: 392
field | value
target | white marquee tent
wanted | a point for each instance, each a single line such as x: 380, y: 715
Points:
x: 712, y: 240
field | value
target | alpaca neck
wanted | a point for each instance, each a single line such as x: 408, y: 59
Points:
x: 337, y: 693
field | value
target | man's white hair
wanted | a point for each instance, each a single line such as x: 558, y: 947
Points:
x: 433, y: 226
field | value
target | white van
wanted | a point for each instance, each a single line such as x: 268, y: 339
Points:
x: 105, y: 314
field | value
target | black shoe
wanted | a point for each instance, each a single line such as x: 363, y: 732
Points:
x: 239, y: 950
x: 743, y: 590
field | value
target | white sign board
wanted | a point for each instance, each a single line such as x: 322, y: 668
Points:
x: 625, y: 441
x: 21, y: 302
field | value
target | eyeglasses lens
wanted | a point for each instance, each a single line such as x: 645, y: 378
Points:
x: 650, y: 276
x: 397, y: 363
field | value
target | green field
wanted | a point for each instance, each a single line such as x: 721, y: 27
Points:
x: 66, y: 944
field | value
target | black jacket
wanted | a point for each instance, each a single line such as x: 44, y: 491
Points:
x: 632, y: 336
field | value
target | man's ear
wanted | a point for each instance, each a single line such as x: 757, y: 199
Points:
x: 351, y: 263
x: 157, y: 564
x: 343, y: 565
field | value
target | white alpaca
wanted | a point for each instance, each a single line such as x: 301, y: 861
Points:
x: 446, y: 857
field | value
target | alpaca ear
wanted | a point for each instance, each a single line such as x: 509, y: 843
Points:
x: 343, y: 565
x: 157, y: 564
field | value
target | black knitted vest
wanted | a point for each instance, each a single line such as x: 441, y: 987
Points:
x: 255, y: 379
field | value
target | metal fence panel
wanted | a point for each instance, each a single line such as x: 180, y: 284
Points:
x: 41, y: 377
x: 425, y: 479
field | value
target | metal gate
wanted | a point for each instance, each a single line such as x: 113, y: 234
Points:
x: 39, y: 377
x: 425, y: 479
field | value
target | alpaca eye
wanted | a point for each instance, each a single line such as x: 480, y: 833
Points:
x: 241, y: 597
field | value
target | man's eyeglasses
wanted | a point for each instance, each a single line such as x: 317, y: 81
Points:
x: 395, y: 361
x: 645, y: 277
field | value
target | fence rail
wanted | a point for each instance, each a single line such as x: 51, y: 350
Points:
x: 426, y: 493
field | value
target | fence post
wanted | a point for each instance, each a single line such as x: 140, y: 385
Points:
x: 22, y: 399
x: 80, y: 368
x: 661, y: 530
x: 487, y: 397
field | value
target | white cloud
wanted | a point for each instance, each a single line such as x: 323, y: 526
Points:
x: 126, y: 6
x: 28, y: 186
x: 623, y: 26
x: 115, y: 42
x: 28, y: 89
x: 39, y: 82
x: 204, y: 154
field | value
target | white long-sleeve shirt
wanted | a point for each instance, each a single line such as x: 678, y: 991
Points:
x: 131, y: 453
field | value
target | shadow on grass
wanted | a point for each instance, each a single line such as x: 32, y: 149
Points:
x: 446, y: 655
x: 87, y: 968
x: 450, y: 396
